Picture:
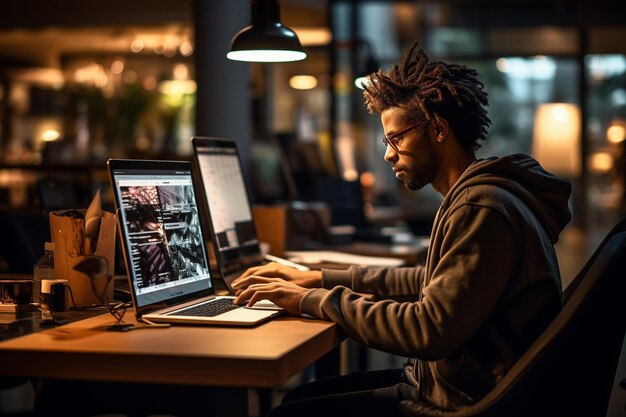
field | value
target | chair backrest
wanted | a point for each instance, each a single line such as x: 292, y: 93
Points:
x: 570, y: 369
x: 567, y: 293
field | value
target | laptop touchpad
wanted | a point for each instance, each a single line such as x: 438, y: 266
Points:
x: 265, y: 305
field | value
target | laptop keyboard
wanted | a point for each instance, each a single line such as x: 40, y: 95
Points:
x: 210, y: 309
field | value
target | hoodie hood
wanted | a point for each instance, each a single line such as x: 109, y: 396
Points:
x: 545, y: 194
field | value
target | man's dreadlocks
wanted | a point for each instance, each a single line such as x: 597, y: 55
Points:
x: 425, y: 88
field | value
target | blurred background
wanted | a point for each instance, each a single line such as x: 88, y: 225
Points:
x: 81, y: 82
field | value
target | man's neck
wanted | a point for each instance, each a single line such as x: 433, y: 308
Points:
x: 452, y: 167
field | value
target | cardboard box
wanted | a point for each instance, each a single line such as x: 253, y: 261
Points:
x: 71, y: 247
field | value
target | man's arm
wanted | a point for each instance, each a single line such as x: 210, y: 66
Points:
x: 381, y: 282
x: 479, y: 257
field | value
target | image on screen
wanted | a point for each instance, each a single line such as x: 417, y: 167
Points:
x: 163, y: 224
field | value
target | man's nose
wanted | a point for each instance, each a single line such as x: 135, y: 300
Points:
x: 390, y: 154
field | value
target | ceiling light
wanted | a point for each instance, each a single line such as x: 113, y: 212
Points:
x: 303, y: 82
x: 366, y: 64
x: 371, y: 66
x: 266, y: 39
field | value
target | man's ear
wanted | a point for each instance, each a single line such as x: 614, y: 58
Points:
x: 441, y: 128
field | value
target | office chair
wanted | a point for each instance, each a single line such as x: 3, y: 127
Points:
x: 567, y: 293
x: 570, y: 369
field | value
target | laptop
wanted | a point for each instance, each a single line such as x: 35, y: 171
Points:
x: 233, y: 231
x: 164, y: 248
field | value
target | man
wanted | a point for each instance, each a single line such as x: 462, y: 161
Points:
x: 490, y: 283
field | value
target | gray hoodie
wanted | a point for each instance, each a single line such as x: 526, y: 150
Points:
x: 490, y: 284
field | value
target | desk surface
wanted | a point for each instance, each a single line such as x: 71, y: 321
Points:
x: 262, y: 356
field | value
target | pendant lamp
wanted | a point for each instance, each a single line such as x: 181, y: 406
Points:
x: 266, y: 39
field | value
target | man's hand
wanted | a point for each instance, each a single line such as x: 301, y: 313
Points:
x: 306, y: 279
x: 282, y: 293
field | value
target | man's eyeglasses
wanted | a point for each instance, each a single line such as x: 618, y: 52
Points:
x: 392, y: 140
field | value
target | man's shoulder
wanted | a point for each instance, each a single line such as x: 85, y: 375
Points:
x: 486, y: 194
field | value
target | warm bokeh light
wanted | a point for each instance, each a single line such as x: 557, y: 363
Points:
x: 616, y: 133
x: 368, y: 179
x: 313, y: 36
x: 177, y: 87
x: 117, y: 66
x: 350, y: 174
x: 50, y: 135
x: 42, y: 76
x: 137, y: 45
x: 158, y: 49
x: 600, y: 162
x: 556, y: 138
x: 180, y: 72
x: 186, y: 48
x: 303, y: 82
x: 169, y: 51
x: 92, y: 74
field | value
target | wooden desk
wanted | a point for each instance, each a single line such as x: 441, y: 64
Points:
x: 262, y: 356
x: 229, y: 359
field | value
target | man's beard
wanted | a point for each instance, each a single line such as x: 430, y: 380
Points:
x: 423, y: 167
x: 417, y: 182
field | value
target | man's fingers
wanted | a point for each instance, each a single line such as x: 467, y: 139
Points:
x: 250, y: 280
x: 260, y: 295
x: 248, y: 272
x: 263, y: 270
x: 251, y: 289
x: 243, y: 296
x: 263, y: 286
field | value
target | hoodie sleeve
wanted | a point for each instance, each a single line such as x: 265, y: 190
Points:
x: 381, y: 282
x: 478, y: 256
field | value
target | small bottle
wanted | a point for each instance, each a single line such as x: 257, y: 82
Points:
x: 44, y: 269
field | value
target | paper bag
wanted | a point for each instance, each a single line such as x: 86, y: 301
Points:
x: 70, y: 245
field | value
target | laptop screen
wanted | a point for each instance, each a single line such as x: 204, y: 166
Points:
x: 160, y: 225
x: 230, y: 214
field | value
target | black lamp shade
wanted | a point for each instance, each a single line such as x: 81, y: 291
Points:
x: 266, y: 40
x: 365, y: 67
x: 371, y: 66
